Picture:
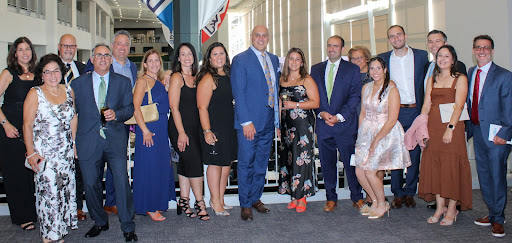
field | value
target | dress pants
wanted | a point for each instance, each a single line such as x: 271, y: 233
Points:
x: 92, y: 172
x: 328, y: 159
x: 110, y: 192
x: 406, y: 117
x: 79, y: 186
x: 253, y: 159
x: 491, y: 165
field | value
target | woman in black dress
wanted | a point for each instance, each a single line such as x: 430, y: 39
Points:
x: 184, y: 129
x: 215, y: 103
x: 15, y: 82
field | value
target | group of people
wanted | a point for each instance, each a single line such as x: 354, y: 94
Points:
x: 66, y: 120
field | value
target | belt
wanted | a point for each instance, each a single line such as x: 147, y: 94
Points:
x: 407, y: 105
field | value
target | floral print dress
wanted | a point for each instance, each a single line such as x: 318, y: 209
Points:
x: 296, y: 173
x: 55, y: 184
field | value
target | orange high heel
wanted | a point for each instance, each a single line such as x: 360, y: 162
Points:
x: 291, y: 205
x: 301, y: 209
x: 156, y: 216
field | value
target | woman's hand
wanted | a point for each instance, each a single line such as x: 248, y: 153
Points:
x: 210, y: 138
x: 148, y: 139
x: 373, y: 146
x: 74, y: 150
x: 287, y: 105
x: 10, y: 130
x: 182, y: 142
x: 34, y: 162
x: 447, y: 137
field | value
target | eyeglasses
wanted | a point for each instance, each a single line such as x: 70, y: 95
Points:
x: 100, y: 55
x: 66, y: 46
x: 49, y: 72
x: 482, y: 48
x: 357, y: 58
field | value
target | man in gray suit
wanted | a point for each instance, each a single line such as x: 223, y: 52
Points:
x: 97, y: 143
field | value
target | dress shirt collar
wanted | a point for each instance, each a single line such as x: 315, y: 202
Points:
x: 126, y: 64
x: 485, y: 68
x: 258, y: 53
x: 336, y: 63
x: 409, y: 53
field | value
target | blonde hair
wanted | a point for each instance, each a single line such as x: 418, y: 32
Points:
x: 160, y: 73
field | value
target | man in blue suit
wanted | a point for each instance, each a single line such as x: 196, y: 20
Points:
x: 255, y: 83
x: 406, y: 67
x: 490, y: 102
x: 339, y: 86
x: 97, y: 144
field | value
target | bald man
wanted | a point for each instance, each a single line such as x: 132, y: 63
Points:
x: 254, y: 80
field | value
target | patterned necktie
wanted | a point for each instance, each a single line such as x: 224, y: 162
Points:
x: 330, y: 82
x: 69, y: 75
x: 268, y: 77
x: 474, y: 103
x: 102, y: 94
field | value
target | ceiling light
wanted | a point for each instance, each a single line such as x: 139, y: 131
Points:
x: 136, y: 21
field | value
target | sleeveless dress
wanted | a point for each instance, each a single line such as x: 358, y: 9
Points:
x: 55, y: 185
x: 18, y: 180
x: 390, y: 153
x: 222, y: 118
x: 296, y: 174
x: 190, y: 163
x: 153, y: 176
x: 445, y: 168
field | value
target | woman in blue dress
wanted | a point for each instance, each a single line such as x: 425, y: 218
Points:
x: 153, y: 177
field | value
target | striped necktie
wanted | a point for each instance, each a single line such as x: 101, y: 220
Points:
x: 268, y: 77
x: 69, y: 75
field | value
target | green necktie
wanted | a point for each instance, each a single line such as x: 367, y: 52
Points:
x: 102, y: 94
x: 330, y: 82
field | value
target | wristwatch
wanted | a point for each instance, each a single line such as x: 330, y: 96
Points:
x: 3, y: 122
x: 451, y: 126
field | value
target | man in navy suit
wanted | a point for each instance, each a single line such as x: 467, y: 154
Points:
x: 406, y: 67
x: 255, y: 81
x: 490, y: 102
x: 339, y: 86
x: 97, y: 143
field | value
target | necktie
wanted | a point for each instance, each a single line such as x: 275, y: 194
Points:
x: 268, y: 77
x: 474, y: 103
x: 69, y: 75
x: 330, y: 82
x: 102, y: 94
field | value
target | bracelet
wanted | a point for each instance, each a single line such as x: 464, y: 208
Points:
x: 298, y: 105
x: 207, y: 130
x: 28, y: 157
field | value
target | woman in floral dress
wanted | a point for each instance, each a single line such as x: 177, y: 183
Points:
x: 299, y: 95
x: 49, y: 127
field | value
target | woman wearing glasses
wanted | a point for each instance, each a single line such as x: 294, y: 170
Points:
x: 15, y: 82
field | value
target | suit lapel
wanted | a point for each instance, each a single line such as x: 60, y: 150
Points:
x: 338, y: 83
x: 321, y: 85
x: 111, y: 84
x: 488, y: 80
x: 90, y: 89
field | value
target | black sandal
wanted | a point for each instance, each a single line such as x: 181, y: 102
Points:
x: 29, y: 226
x: 183, y: 206
x: 200, y: 207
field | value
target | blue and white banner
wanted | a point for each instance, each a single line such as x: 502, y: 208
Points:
x: 163, y: 11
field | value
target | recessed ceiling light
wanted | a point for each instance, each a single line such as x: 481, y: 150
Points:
x: 136, y: 21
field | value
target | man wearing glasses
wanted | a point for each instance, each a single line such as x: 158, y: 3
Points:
x: 97, y: 142
x: 490, y: 103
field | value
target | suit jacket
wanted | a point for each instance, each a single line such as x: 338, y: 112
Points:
x: 346, y: 96
x: 80, y: 66
x: 119, y: 98
x: 420, y: 60
x: 461, y: 68
x: 495, y: 105
x: 90, y: 67
x: 250, y: 89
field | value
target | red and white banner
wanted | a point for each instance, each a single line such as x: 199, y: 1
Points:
x: 214, y: 22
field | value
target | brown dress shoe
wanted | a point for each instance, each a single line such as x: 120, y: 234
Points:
x: 359, y: 204
x: 330, y: 206
x: 409, y: 202
x: 81, y: 215
x: 260, y: 207
x: 246, y: 213
x: 397, y: 202
x: 498, y: 230
x: 483, y: 221
x: 110, y: 210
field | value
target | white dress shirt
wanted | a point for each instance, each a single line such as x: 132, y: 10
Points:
x: 483, y: 76
x: 74, y: 69
x: 96, y: 85
x: 401, y: 70
x: 326, y: 79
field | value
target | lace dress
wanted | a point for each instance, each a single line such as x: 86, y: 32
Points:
x: 390, y: 153
x: 55, y: 184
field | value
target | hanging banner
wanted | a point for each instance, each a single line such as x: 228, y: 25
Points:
x: 214, y: 22
x: 163, y: 10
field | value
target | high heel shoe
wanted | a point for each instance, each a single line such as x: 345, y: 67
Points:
x: 374, y: 215
x: 365, y: 209
x: 300, y: 208
x: 200, y: 207
x: 447, y: 222
x: 433, y: 220
x: 291, y: 205
x: 183, y: 206
x: 223, y: 213
x: 156, y: 216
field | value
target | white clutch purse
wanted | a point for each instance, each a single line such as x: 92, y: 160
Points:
x: 447, y: 110
x: 41, y: 165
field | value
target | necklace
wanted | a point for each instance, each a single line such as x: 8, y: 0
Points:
x: 55, y: 95
x: 151, y: 77
x: 28, y: 76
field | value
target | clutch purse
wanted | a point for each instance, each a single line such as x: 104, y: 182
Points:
x: 149, y: 111
x: 41, y: 164
x: 447, y: 110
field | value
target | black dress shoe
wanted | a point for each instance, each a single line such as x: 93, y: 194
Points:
x: 246, y: 213
x: 130, y: 236
x: 96, y: 230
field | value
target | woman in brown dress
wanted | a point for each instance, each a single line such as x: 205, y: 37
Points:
x: 445, y: 170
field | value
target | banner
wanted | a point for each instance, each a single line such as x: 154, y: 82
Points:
x: 214, y: 22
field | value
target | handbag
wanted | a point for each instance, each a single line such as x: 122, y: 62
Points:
x: 149, y: 111
x: 447, y: 110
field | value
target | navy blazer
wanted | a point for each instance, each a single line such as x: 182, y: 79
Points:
x: 495, y: 105
x: 250, y: 89
x: 345, y: 97
x: 420, y: 60
x: 119, y: 98
x: 90, y: 67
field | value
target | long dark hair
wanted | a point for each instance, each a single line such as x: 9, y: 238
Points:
x: 207, y: 65
x: 453, y: 68
x: 386, y: 78
x: 45, y: 60
x: 303, y: 69
x: 12, y: 60
x: 176, y: 65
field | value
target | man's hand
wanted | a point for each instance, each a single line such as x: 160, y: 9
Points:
x: 328, y: 118
x: 249, y: 131
x: 110, y: 115
x: 499, y: 141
